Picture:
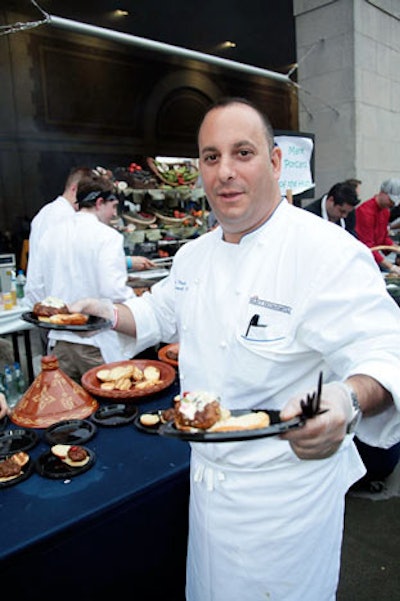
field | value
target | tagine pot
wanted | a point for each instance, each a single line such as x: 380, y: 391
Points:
x: 51, y: 398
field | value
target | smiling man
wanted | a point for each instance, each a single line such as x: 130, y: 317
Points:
x: 260, y: 305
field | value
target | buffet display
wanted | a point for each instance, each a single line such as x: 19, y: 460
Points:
x: 162, y: 204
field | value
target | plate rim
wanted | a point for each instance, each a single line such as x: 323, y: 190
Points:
x: 128, y: 395
x: 168, y: 430
x: 101, y: 324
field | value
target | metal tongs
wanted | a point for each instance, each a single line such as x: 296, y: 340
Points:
x: 311, y: 406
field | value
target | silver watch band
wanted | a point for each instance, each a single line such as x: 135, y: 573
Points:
x: 357, y: 414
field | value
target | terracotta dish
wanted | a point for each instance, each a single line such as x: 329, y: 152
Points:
x: 51, y: 398
x: 166, y: 350
x: 92, y: 384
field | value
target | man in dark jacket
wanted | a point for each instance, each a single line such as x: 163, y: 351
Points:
x: 337, y: 206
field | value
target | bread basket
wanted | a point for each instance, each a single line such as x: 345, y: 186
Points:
x: 189, y: 177
x: 92, y: 384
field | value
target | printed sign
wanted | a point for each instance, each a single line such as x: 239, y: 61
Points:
x: 296, y: 163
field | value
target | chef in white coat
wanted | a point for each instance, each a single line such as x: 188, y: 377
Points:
x: 84, y: 256
x: 260, y: 305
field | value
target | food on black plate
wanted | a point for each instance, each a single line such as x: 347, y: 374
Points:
x: 203, y: 411
x: 49, y: 306
x: 54, y: 310
x: 72, y: 455
x: 11, y: 467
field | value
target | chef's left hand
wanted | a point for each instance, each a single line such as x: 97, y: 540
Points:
x: 322, y: 435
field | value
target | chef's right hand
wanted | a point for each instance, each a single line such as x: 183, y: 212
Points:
x: 100, y: 307
x: 395, y: 269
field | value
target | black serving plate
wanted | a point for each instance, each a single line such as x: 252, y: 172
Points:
x: 94, y: 323
x: 275, y: 427
x: 70, y: 431
x: 13, y: 441
x: 115, y: 414
x: 50, y: 466
x: 148, y: 429
x: 26, y: 471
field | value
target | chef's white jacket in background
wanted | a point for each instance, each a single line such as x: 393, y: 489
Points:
x: 82, y: 258
x: 50, y: 215
x: 265, y: 524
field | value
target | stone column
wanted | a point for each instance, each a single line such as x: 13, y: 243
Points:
x: 348, y: 55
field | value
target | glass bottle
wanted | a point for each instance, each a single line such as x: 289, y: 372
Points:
x: 21, y: 280
x: 11, y: 392
x: 19, y: 380
x: 13, y: 287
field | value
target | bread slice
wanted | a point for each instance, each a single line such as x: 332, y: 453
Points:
x: 149, y: 419
x: 69, y: 319
x: 60, y: 450
x: 21, y: 458
x: 151, y: 373
x: 248, y: 421
x: 104, y: 375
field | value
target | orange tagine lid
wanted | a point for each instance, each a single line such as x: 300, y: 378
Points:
x: 51, y: 398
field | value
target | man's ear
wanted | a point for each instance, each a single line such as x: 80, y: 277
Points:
x: 276, y: 160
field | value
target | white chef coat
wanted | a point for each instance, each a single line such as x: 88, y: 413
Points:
x: 82, y: 258
x: 263, y: 523
x: 52, y: 214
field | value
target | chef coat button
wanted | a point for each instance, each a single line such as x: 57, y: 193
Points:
x: 184, y: 328
x: 223, y: 344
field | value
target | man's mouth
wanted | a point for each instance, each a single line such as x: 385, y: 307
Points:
x: 229, y: 194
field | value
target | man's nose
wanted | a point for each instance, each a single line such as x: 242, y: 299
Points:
x: 226, y: 169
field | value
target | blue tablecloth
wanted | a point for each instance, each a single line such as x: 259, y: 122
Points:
x: 122, y: 523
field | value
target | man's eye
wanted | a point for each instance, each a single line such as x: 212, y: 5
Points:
x: 210, y: 158
x: 246, y: 153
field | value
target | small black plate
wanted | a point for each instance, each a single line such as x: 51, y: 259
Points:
x: 93, y: 323
x: 13, y: 441
x: 25, y: 473
x: 148, y: 429
x: 70, y: 431
x: 276, y: 427
x: 50, y: 466
x: 115, y: 414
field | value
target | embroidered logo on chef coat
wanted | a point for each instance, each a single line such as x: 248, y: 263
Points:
x: 266, y: 321
x: 259, y: 302
x: 181, y: 285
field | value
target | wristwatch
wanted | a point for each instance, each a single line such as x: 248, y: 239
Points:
x: 357, y: 413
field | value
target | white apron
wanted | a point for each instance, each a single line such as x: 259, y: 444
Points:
x: 245, y: 545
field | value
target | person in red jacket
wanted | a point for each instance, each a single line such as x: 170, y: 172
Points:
x: 372, y: 219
